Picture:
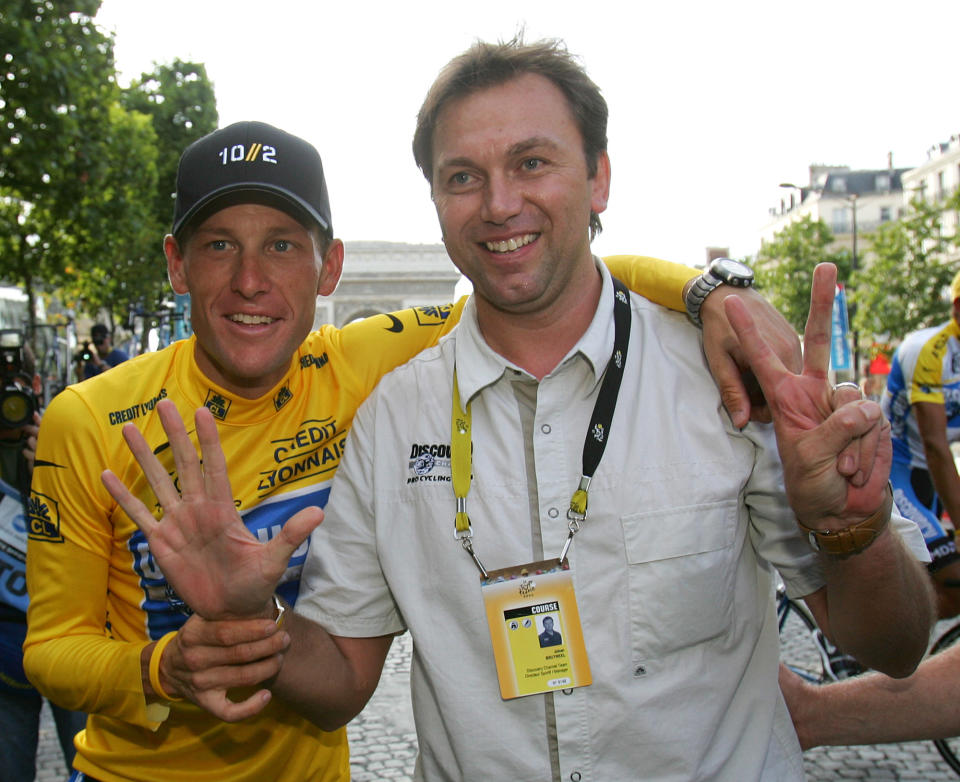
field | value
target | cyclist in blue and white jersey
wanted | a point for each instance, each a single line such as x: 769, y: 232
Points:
x: 922, y: 402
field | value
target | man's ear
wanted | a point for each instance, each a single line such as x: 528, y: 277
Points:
x: 601, y: 184
x: 175, y: 265
x: 331, y: 269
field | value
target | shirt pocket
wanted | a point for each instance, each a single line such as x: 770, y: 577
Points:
x: 681, y: 568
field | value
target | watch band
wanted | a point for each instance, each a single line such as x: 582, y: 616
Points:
x: 854, y: 539
x: 720, y: 271
x: 696, y: 295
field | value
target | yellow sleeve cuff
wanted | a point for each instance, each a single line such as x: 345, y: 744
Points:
x: 662, y: 282
x: 155, y: 667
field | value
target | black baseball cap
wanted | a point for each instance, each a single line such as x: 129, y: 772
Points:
x: 251, y: 162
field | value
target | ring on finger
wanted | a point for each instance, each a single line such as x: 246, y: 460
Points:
x: 849, y: 384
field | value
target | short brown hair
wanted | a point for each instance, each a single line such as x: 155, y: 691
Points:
x: 486, y: 65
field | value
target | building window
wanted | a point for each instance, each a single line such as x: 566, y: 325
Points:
x: 838, y: 221
x: 940, y: 186
x: 838, y: 184
x: 884, y: 214
x: 883, y: 182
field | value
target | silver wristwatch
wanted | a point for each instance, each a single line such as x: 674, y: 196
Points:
x: 720, y: 271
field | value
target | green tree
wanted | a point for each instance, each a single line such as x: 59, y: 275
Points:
x: 57, y: 78
x: 120, y: 227
x: 902, y: 288
x: 180, y: 101
x: 784, y: 266
x: 86, y: 170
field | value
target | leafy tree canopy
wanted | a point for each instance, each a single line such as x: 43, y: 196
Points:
x: 58, y: 82
x: 87, y: 170
x: 784, y: 266
x: 902, y: 288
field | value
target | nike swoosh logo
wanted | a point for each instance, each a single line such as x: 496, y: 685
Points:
x: 397, y: 326
x: 163, y: 446
x: 44, y: 463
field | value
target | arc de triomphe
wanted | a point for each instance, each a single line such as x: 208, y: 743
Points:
x: 386, y: 276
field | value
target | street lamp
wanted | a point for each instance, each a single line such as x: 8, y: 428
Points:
x: 803, y: 190
x: 852, y: 200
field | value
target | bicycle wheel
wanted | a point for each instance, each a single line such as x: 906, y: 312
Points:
x: 799, y: 649
x: 949, y: 749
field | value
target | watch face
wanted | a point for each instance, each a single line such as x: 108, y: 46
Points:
x: 728, y: 269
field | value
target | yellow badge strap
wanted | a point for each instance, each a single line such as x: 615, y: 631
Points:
x: 461, y: 468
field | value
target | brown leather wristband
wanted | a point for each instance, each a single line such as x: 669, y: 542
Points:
x: 854, y: 539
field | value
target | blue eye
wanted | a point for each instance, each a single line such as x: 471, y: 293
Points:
x: 532, y: 164
x: 281, y: 245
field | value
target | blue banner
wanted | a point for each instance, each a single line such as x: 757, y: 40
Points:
x: 839, y: 333
x: 13, y: 549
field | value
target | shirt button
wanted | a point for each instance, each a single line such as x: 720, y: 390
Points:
x: 545, y: 428
x: 553, y: 513
x: 567, y: 690
x: 575, y: 776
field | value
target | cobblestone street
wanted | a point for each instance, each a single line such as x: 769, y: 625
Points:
x: 383, y: 743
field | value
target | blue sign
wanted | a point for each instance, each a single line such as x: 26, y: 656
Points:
x: 13, y: 549
x: 839, y: 333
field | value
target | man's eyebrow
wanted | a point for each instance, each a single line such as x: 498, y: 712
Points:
x: 215, y: 230
x: 532, y: 143
x: 456, y: 162
x: 520, y: 148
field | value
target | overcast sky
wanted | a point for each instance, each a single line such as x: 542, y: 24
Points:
x: 712, y: 104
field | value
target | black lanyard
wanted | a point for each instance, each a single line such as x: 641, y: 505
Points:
x: 593, y: 445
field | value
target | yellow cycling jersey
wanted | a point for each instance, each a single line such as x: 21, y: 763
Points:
x: 97, y: 597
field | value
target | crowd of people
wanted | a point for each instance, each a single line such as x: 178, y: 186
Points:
x: 587, y: 539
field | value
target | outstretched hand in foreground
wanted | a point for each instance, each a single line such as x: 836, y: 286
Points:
x: 814, y: 424
x: 200, y: 543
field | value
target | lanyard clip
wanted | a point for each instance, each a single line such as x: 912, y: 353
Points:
x: 464, y: 533
x: 566, y: 545
x: 461, y: 526
x: 578, y: 504
x: 468, y: 547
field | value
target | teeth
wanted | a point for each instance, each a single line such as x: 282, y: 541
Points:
x: 250, y: 320
x: 510, y: 245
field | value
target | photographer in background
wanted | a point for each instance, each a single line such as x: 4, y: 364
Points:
x: 101, y: 357
x: 20, y: 704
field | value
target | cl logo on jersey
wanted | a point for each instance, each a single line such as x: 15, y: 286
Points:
x: 433, y: 315
x: 283, y: 396
x: 217, y: 404
x: 44, y: 519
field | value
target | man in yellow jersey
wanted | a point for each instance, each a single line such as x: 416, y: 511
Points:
x: 252, y: 243
x: 573, y: 462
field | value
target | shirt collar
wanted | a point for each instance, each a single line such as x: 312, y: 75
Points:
x: 228, y: 407
x: 479, y: 366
